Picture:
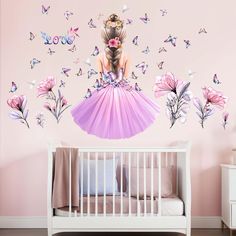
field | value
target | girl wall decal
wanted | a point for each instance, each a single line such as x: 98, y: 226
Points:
x: 115, y: 109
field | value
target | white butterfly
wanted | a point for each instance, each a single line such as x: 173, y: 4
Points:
x: 67, y: 14
x: 143, y: 66
x: 171, y: 40
x: 191, y: 73
x: 124, y: 8
x: 91, y: 24
x: 95, y: 51
x: 32, y: 83
x: 146, y: 51
x: 88, y: 62
x: 91, y: 72
x: 135, y: 40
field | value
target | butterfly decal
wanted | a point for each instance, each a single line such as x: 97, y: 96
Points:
x: 91, y: 72
x: 95, y: 51
x: 33, y: 62
x: 50, y: 51
x: 133, y: 76
x: 191, y: 73
x: 13, y: 87
x: 160, y: 65
x: 98, y: 85
x: 124, y: 8
x: 146, y: 51
x: 137, y: 88
x: 202, y: 30
x: 129, y: 21
x: 145, y: 19
x: 65, y: 71
x: 45, y: 9
x: 135, y: 40
x: 79, y: 73
x: 32, y: 36
x: 216, y: 80
x: 88, y: 94
x: 67, y: 14
x: 163, y: 12
x: 74, y: 31
x: 87, y: 62
x: 171, y: 40
x: 143, y: 66
x: 162, y: 49
x: 62, y: 84
x: 32, y: 83
x: 91, y: 24
x: 187, y: 43
x: 72, y: 49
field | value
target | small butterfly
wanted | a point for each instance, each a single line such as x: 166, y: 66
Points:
x: 33, y: 62
x: 191, y: 73
x: 215, y: 79
x: 62, y: 84
x: 50, y: 51
x: 91, y: 24
x: 187, y: 43
x: 97, y: 85
x: 143, y: 66
x: 99, y: 16
x: 65, y: 71
x: 73, y: 49
x: 133, y: 76
x: 160, y: 65
x: 45, y: 9
x: 135, y: 40
x: 95, y: 52
x: 137, y: 88
x: 76, y: 61
x: 88, y: 94
x: 144, y: 19
x: 91, y: 72
x: 171, y: 40
x: 162, y: 49
x: 124, y: 8
x: 129, y: 21
x: 202, y: 30
x: 88, y: 62
x: 74, y: 31
x: 146, y: 51
x: 32, y: 36
x: 32, y: 83
x: 163, y: 12
x: 79, y: 73
x: 67, y: 14
x: 13, y: 87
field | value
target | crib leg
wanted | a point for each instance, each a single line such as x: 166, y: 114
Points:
x: 49, y: 232
x: 188, y: 231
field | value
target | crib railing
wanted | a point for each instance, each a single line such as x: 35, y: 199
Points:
x: 141, y: 158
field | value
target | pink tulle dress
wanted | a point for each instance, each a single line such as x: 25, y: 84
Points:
x: 115, y: 110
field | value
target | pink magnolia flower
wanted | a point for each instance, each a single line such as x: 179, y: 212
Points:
x: 165, y: 84
x: 214, y: 97
x: 46, y: 86
x: 63, y: 102
x: 47, y: 106
x: 17, y: 102
x: 114, y: 43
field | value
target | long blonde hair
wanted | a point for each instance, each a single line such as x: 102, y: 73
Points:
x: 113, y: 30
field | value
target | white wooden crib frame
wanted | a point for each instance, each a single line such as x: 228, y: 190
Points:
x: 129, y: 222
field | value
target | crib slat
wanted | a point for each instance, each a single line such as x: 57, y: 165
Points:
x: 152, y: 184
x: 159, y: 184
x: 96, y: 183
x: 113, y: 181
x: 104, y: 182
x: 81, y: 183
x: 138, y: 184
x: 129, y: 183
x: 88, y: 184
x: 144, y: 184
x: 121, y: 184
x: 70, y: 183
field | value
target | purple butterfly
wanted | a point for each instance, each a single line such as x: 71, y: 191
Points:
x: 129, y: 21
x: 215, y: 79
x: 171, y: 40
x: 135, y: 40
x: 160, y: 65
x: 143, y: 66
x: 65, y: 71
x: 95, y: 52
x: 144, y: 19
x: 45, y: 9
x: 33, y: 62
x: 13, y: 87
x: 91, y: 24
x: 137, y: 88
x: 187, y: 43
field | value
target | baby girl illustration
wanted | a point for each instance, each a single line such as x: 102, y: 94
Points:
x: 115, y: 109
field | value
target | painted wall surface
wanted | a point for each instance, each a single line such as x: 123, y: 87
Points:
x: 23, y: 151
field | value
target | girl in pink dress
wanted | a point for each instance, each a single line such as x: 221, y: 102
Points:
x: 115, y: 109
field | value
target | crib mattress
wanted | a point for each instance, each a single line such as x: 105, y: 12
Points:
x: 173, y: 206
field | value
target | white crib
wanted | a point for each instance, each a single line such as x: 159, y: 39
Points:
x: 148, y: 221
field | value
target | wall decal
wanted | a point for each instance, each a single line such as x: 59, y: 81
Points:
x: 178, y: 96
x: 162, y: 49
x: 31, y: 84
x: 171, y: 39
x: 50, y: 51
x: 13, y: 87
x: 145, y: 19
x: 160, y: 65
x: 65, y: 71
x: 212, y: 98
x: 202, y: 30
x: 95, y: 51
x: 91, y: 72
x: 57, y: 104
x: 18, y: 104
x: 225, y: 116
x: 79, y: 73
x: 187, y: 43
x: 124, y: 8
x: 68, y: 14
x: 32, y: 36
x: 66, y: 39
x: 91, y: 24
x: 40, y: 119
x: 135, y: 40
x: 129, y: 21
x: 45, y: 9
x: 34, y: 62
x: 146, y: 51
x: 115, y: 109
x: 163, y: 12
x: 133, y: 76
x: 62, y: 84
x: 216, y: 80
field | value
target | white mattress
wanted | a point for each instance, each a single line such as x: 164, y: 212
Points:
x: 170, y: 207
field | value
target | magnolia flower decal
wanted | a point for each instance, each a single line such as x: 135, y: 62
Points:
x: 18, y: 104
x: 178, y: 96
x: 56, y: 105
x: 213, y: 99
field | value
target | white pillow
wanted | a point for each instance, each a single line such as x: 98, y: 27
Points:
x: 110, y: 179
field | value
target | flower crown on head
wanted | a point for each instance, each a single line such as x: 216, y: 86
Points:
x: 113, y: 22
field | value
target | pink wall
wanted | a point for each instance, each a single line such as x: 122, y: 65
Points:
x: 23, y: 152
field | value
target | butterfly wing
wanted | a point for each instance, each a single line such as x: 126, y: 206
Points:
x: 95, y: 52
x: 135, y: 40
x: 133, y: 76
